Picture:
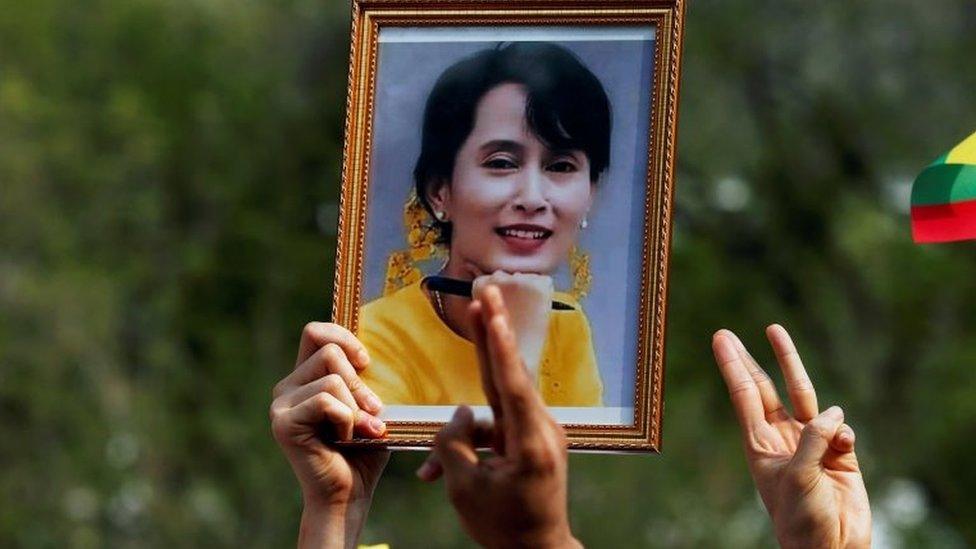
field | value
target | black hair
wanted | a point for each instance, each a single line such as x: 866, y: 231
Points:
x: 566, y: 108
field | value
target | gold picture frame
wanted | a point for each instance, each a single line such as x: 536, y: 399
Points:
x: 666, y: 17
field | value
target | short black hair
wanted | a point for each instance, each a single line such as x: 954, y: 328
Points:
x: 566, y: 108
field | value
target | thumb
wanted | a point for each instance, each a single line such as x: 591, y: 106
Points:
x: 815, y: 439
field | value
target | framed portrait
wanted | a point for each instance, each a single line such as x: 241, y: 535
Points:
x: 529, y: 143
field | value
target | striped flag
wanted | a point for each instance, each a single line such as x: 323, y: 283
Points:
x: 944, y: 197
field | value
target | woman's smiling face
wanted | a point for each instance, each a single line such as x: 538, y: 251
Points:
x: 514, y: 204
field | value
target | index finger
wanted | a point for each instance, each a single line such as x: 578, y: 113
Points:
x: 316, y: 335
x: 742, y: 387
x: 475, y: 316
x: 772, y: 405
x: 521, y: 404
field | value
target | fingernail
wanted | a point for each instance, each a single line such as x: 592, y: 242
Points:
x: 723, y: 351
x: 363, y: 358
x: 424, y: 471
x: 835, y: 412
x: 377, y: 425
x: 373, y: 403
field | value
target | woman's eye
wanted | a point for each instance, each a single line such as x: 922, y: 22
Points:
x: 562, y: 166
x: 500, y: 164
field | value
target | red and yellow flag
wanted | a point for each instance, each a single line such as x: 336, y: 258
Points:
x: 944, y: 197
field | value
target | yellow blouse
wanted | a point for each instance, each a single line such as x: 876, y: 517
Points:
x: 416, y: 359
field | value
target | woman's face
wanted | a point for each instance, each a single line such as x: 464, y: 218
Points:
x: 514, y: 204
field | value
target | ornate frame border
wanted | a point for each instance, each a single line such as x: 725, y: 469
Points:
x: 667, y: 16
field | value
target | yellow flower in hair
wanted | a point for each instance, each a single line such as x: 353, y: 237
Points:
x: 579, y: 266
x: 402, y: 266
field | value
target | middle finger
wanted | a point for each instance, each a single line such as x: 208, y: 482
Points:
x: 798, y: 384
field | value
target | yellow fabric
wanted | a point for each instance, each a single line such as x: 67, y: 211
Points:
x: 963, y: 153
x: 416, y: 359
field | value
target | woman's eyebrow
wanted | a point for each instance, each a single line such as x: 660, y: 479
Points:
x: 502, y: 145
x: 573, y: 153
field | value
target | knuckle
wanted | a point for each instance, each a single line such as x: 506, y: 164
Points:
x: 280, y: 428
x: 278, y: 389
x: 332, y: 353
x: 742, y: 386
x: 815, y: 429
x: 311, y: 329
x: 332, y: 327
x: 759, y: 376
x: 776, y: 412
x: 801, y: 386
x: 336, y: 332
x: 331, y: 382
x: 356, y: 384
x: 322, y: 402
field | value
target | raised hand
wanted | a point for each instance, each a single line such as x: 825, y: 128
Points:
x: 517, y: 497
x: 803, y: 465
x: 323, y: 400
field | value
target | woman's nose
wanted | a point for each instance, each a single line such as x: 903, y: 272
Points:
x: 531, y: 194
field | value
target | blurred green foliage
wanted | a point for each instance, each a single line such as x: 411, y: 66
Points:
x: 168, y: 179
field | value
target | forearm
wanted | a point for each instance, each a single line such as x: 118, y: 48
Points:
x: 331, y: 526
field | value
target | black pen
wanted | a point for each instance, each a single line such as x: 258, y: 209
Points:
x: 462, y: 288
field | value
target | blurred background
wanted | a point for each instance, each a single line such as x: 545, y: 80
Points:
x: 168, y: 185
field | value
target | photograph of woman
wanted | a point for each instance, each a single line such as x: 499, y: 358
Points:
x: 514, y: 148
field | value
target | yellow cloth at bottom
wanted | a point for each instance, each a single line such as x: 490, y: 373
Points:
x: 416, y: 359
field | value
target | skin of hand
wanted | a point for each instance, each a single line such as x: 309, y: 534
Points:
x: 323, y: 400
x: 516, y: 497
x: 803, y: 465
x: 528, y: 300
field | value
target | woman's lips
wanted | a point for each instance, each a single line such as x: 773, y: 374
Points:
x: 523, y: 239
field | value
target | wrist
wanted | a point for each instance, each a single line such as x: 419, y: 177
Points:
x: 557, y: 539
x: 565, y: 540
x: 331, y: 525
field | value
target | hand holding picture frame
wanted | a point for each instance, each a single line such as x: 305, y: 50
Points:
x: 525, y: 144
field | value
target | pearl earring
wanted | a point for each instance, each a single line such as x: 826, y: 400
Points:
x: 441, y: 216
x: 584, y: 224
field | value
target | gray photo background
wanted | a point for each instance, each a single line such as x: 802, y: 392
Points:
x: 405, y: 74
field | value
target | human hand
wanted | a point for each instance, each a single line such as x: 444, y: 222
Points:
x: 803, y: 465
x: 321, y: 401
x: 528, y: 300
x: 517, y: 497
